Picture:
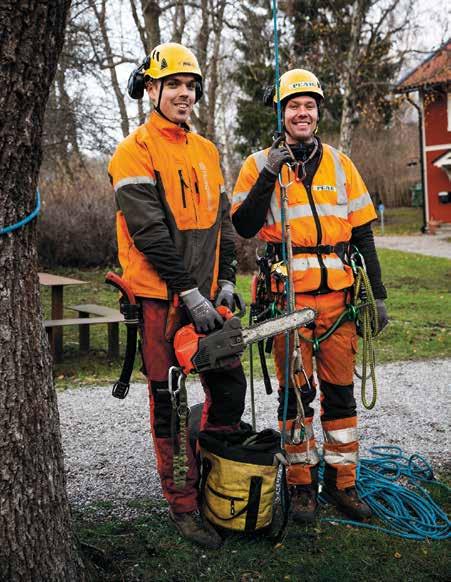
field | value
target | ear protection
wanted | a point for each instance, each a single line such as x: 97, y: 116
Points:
x: 268, y: 95
x: 135, y: 85
x: 136, y: 82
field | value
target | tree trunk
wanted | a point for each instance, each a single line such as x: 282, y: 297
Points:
x: 347, y: 114
x: 37, y: 542
x: 151, y: 13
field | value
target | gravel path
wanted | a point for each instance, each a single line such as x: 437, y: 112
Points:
x: 424, y: 244
x: 109, y: 456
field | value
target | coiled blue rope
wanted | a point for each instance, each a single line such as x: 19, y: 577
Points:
x: 26, y: 220
x: 391, y: 484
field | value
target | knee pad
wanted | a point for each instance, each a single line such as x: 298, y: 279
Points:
x: 338, y: 401
x: 162, y: 408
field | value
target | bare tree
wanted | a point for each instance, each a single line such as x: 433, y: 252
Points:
x: 100, y: 14
x: 372, y: 61
x: 351, y: 59
x: 37, y: 543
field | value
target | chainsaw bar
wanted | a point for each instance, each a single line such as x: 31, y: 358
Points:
x: 277, y: 325
x: 199, y: 353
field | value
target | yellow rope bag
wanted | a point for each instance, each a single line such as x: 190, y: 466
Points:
x: 239, y: 474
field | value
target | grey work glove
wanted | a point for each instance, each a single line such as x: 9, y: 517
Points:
x: 204, y: 315
x: 382, y: 315
x: 225, y: 295
x: 277, y: 156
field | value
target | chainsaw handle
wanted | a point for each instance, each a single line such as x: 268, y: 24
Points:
x: 116, y: 281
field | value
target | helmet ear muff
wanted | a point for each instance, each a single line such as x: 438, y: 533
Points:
x: 199, y: 90
x: 268, y: 95
x: 136, y: 82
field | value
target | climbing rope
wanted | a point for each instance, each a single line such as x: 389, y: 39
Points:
x: 367, y: 322
x: 26, y: 220
x: 392, y: 484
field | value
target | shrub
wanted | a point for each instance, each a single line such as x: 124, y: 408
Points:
x: 76, y: 227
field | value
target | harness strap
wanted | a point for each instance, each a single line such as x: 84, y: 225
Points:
x: 340, y: 248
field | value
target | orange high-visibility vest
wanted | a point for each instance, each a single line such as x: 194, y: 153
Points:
x: 340, y: 201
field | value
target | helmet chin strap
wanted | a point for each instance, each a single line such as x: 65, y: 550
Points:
x: 158, y: 109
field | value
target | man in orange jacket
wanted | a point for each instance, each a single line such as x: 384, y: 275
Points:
x: 329, y: 209
x: 175, y: 238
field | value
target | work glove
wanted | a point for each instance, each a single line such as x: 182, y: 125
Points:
x: 277, y: 156
x: 225, y: 295
x: 382, y: 315
x: 204, y: 315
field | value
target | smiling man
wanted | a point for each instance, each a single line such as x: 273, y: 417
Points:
x: 330, y: 210
x: 176, y: 244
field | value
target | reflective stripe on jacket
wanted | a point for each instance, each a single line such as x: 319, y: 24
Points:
x: 338, y: 201
x: 173, y: 214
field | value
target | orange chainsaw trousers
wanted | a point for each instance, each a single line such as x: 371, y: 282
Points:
x: 335, y: 362
x: 225, y: 391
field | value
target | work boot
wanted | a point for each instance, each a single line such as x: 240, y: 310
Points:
x: 304, y: 504
x: 347, y: 501
x: 195, y: 529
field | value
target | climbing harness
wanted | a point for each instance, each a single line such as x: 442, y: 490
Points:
x: 26, y: 220
x: 392, y: 484
x: 361, y: 307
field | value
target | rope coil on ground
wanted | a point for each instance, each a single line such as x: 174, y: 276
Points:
x: 406, y: 508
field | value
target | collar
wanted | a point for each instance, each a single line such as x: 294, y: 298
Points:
x: 302, y: 151
x: 169, y: 130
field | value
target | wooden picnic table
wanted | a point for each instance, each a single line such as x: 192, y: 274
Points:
x: 57, y: 285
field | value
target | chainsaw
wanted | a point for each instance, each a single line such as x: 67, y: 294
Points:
x: 197, y: 352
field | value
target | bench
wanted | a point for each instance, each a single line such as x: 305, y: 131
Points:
x: 112, y: 317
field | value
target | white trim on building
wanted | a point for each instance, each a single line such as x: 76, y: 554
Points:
x: 436, y: 148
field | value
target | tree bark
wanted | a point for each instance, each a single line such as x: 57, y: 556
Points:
x: 37, y: 542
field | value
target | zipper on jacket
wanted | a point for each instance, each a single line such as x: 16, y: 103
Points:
x: 228, y: 497
x: 183, y: 186
x: 319, y: 237
x: 319, y: 232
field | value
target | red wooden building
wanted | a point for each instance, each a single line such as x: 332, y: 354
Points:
x: 432, y: 80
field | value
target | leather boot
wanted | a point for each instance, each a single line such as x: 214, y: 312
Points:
x: 195, y: 529
x: 347, y: 501
x: 304, y: 504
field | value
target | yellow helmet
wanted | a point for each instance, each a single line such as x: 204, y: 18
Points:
x: 296, y: 82
x: 171, y: 58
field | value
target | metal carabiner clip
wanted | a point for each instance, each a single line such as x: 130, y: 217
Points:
x: 174, y: 373
x: 283, y: 186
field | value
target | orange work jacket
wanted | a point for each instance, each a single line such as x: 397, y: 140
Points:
x: 169, y: 178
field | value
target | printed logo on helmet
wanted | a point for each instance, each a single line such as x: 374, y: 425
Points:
x: 164, y: 64
x: 187, y: 64
x: 300, y: 84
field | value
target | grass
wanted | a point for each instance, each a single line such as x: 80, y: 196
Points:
x: 419, y: 306
x: 403, y: 220
x: 147, y: 548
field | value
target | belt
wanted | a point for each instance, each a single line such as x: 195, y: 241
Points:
x: 340, y: 248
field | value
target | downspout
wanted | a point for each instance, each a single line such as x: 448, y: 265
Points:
x: 423, y: 185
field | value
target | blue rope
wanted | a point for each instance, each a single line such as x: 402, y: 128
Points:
x: 406, y: 508
x: 26, y: 220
